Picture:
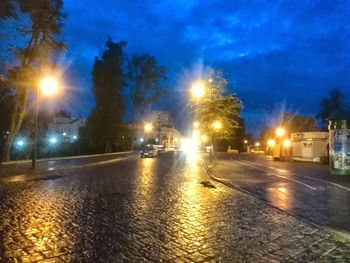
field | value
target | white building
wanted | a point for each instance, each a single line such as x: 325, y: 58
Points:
x: 310, y: 146
x: 65, y: 128
x: 163, y: 132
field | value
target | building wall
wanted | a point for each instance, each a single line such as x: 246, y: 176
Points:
x: 66, y: 127
x: 309, y: 146
x: 164, y: 131
x: 162, y: 119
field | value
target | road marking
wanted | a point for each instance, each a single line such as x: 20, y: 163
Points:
x: 277, y: 175
x: 304, y: 176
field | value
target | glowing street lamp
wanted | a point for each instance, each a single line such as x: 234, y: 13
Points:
x: 287, y: 143
x: 271, y: 143
x: 48, y: 86
x: 198, y: 89
x: 148, y: 127
x: 53, y: 140
x: 217, y: 125
x: 196, y: 124
x: 245, y: 141
x: 20, y: 143
x: 280, y: 131
x: 204, y: 138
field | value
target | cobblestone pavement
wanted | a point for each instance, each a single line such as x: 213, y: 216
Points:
x: 151, y: 210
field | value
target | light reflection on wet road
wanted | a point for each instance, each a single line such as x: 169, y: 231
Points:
x: 305, y: 189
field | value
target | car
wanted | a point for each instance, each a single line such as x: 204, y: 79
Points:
x: 149, y: 150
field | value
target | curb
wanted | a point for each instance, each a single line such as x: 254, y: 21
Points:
x: 341, y: 234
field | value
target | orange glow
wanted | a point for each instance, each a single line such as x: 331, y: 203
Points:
x: 48, y: 86
x: 280, y: 131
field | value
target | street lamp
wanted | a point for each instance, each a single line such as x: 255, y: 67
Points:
x: 204, y: 138
x: 280, y: 131
x: 148, y: 127
x: 53, y: 140
x: 48, y: 86
x: 198, y: 89
x: 196, y: 124
x: 217, y: 125
x: 271, y: 143
x: 287, y: 143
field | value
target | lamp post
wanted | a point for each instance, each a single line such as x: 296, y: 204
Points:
x: 48, y: 86
x: 217, y: 126
x: 198, y: 90
x: 280, y: 132
x: 147, y: 129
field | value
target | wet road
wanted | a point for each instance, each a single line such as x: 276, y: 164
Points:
x: 149, y: 210
x: 304, y: 189
x: 47, y: 165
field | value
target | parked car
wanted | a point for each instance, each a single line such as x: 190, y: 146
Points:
x: 149, y: 150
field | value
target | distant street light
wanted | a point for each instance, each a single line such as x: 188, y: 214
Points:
x: 271, y: 143
x: 287, y: 143
x: 20, y: 143
x: 48, y: 86
x: 217, y: 125
x: 148, y: 127
x: 245, y: 141
x: 196, y: 124
x: 198, y: 89
x: 280, y: 131
x: 53, y: 140
x: 204, y: 138
x: 257, y: 144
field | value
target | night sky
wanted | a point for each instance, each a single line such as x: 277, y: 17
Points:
x: 275, y: 54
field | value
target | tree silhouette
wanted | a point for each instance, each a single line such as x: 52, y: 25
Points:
x: 46, y: 23
x: 106, y: 118
x: 335, y: 102
x: 217, y: 105
x: 145, y: 78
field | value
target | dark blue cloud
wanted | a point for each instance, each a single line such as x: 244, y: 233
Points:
x: 270, y: 50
